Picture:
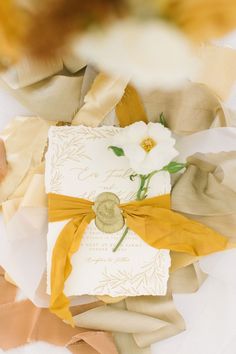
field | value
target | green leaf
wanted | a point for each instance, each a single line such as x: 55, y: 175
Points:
x: 117, y: 151
x: 163, y: 120
x: 174, y: 167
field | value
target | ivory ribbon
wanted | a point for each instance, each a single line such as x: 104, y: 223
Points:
x: 103, y: 96
x: 3, y: 160
x: 150, y: 218
x: 25, y: 139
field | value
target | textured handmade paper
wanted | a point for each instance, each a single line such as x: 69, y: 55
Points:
x: 79, y: 164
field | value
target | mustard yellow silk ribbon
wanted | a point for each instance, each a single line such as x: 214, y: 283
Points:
x: 150, y: 218
x: 130, y: 109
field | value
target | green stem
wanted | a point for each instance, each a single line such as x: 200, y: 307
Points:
x: 121, y: 240
x: 141, y: 194
x: 141, y: 188
x: 149, y: 177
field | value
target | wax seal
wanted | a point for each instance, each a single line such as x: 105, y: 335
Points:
x: 109, y: 217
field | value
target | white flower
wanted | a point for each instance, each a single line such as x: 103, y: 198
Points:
x: 153, y: 54
x: 149, y: 147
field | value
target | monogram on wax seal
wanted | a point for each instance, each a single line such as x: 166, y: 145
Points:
x: 109, y: 216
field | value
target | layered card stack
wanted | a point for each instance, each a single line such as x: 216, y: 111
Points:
x: 80, y: 164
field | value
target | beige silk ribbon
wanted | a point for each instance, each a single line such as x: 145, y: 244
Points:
x: 147, y: 318
x: 191, y: 109
x: 144, y: 320
x: 50, y: 89
x: 206, y: 191
x: 30, y: 71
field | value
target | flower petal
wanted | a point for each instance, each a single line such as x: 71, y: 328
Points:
x: 141, y: 168
x: 134, y: 152
x: 143, y: 162
x: 136, y: 132
x: 160, y: 156
x: 158, y: 132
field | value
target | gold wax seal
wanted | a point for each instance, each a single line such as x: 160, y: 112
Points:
x: 109, y: 217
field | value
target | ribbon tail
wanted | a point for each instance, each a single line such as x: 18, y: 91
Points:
x: 130, y: 109
x: 67, y: 244
x: 164, y: 229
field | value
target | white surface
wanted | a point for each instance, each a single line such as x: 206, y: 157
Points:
x: 38, y: 348
x: 209, y: 314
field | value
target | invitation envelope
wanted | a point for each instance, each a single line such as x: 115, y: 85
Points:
x: 80, y: 164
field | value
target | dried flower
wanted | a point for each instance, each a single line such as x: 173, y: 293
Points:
x: 202, y: 19
x: 14, y: 23
x: 152, y: 54
x: 54, y: 22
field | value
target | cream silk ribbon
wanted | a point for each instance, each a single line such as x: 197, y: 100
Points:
x: 3, y: 160
x: 25, y: 139
x: 101, y: 99
x: 150, y: 218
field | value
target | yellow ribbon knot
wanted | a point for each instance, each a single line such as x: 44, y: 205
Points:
x: 150, y: 218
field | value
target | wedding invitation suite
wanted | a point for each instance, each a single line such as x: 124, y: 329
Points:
x: 80, y: 164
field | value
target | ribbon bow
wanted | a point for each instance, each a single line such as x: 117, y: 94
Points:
x: 150, y: 218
